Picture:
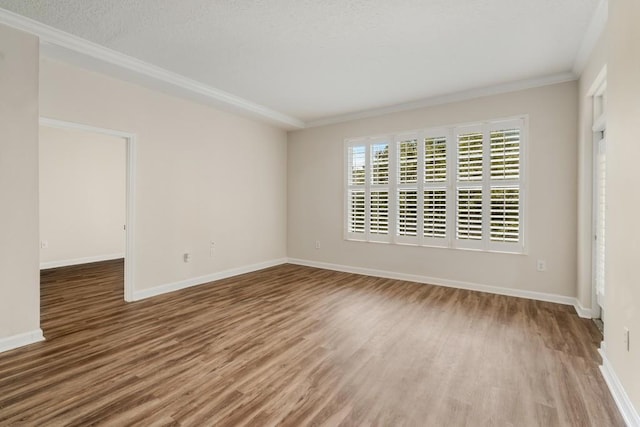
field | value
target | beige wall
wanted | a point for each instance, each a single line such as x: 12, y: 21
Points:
x: 19, y: 274
x: 316, y: 212
x: 82, y: 196
x: 202, y: 174
x: 622, y: 304
x: 594, y: 66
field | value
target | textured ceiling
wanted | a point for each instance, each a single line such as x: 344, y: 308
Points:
x: 314, y: 59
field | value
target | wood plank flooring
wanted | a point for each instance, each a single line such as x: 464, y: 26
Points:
x: 298, y: 346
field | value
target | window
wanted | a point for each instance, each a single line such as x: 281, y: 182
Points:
x: 457, y: 187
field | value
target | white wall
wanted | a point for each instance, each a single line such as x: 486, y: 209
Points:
x: 316, y: 195
x: 82, y: 196
x: 202, y: 175
x: 622, y: 304
x: 19, y: 274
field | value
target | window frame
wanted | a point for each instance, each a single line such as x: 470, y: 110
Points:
x: 451, y: 184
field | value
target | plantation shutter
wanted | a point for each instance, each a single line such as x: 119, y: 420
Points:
x: 435, y: 189
x: 504, y: 185
x: 356, y: 194
x: 457, y: 187
x: 379, y: 191
x: 469, y: 213
x: 379, y: 218
x: 469, y: 188
x: 505, y: 214
x: 357, y: 211
x: 435, y: 213
x: 470, y: 156
x: 505, y: 154
x: 407, y: 204
x: 408, y: 213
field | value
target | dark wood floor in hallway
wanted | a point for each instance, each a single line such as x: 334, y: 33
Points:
x: 299, y: 346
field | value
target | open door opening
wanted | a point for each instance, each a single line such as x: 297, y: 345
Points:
x: 87, y: 204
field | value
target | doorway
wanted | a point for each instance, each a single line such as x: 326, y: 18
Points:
x: 119, y: 242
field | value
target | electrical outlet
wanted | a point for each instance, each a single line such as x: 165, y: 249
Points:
x: 541, y: 265
x: 626, y: 338
x: 186, y: 257
x: 44, y: 244
x: 317, y: 244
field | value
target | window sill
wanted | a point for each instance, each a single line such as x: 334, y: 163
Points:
x: 494, y: 251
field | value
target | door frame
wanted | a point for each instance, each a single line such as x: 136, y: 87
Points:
x: 130, y: 140
x: 598, y: 125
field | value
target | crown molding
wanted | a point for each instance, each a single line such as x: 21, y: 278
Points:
x: 447, y: 99
x: 59, y: 44
x: 595, y: 29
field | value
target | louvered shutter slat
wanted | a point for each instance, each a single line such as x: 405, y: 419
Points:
x: 435, y: 213
x: 408, y: 213
x: 357, y: 208
x: 505, y: 154
x: 379, y: 212
x: 435, y: 159
x: 380, y: 164
x: 505, y: 214
x: 470, y: 157
x: 408, y: 161
x: 357, y: 165
x: 469, y: 209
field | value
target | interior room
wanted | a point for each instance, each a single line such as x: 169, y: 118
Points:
x: 414, y: 213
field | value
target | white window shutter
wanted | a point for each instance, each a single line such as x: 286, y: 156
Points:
x: 460, y: 187
x: 435, y: 213
x: 379, y: 216
x: 469, y: 213
x: 505, y: 214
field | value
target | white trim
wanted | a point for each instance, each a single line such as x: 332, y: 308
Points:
x: 130, y: 226
x: 628, y: 412
x: 598, y: 88
x: 538, y: 296
x: 447, y: 99
x: 61, y: 124
x: 594, y: 30
x: 86, y: 52
x: 599, y: 83
x: 131, y: 141
x: 15, y: 341
x: 195, y: 281
x: 585, y: 313
x: 77, y: 261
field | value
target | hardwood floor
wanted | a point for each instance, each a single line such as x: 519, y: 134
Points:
x: 299, y: 346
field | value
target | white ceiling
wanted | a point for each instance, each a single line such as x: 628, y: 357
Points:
x: 317, y: 59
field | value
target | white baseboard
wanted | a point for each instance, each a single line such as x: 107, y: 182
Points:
x: 620, y: 396
x: 195, y: 281
x: 77, y: 261
x: 15, y: 341
x: 540, y: 296
x: 586, y: 313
